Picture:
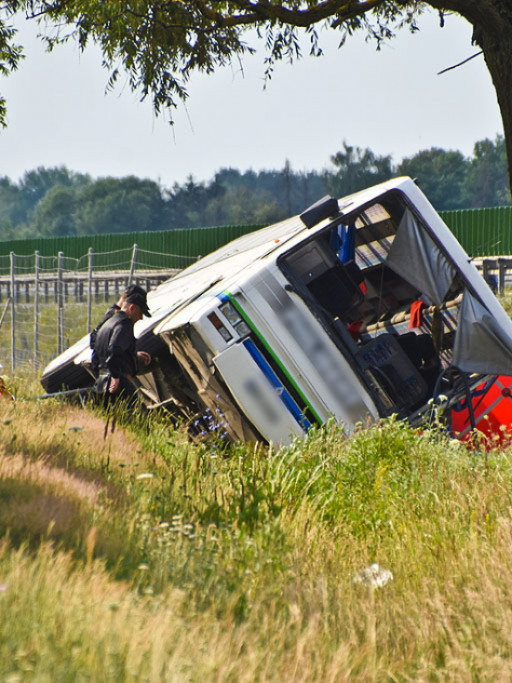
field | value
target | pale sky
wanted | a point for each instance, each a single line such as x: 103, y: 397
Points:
x: 391, y: 101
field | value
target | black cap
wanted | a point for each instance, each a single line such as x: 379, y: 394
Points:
x: 134, y: 289
x: 139, y: 299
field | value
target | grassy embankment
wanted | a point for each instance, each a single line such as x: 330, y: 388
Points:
x: 147, y: 556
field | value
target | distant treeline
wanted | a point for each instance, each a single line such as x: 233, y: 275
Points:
x: 57, y: 201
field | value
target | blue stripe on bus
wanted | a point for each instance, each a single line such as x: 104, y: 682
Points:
x: 277, y: 385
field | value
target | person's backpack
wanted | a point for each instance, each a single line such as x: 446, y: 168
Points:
x: 94, y: 333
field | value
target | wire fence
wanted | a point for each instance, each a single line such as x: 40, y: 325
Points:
x: 49, y: 302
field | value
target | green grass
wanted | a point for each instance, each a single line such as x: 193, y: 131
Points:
x: 149, y: 556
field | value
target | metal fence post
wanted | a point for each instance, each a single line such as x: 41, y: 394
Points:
x: 90, y: 259
x: 60, y: 303
x: 13, y: 312
x: 132, y: 264
x: 36, y: 310
x: 487, y: 265
x: 502, y: 273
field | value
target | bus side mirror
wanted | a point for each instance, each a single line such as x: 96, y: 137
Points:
x: 327, y: 207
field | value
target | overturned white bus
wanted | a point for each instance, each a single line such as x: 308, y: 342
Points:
x: 357, y: 309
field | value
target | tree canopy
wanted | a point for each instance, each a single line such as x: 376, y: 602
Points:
x: 357, y: 168
x: 158, y: 44
x: 55, y: 201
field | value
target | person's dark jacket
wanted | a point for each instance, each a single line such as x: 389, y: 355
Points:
x: 114, y: 347
x: 94, y: 333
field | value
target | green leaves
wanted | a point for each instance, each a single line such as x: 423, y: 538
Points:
x: 10, y: 55
x: 158, y: 44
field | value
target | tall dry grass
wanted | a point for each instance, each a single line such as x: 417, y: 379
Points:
x: 147, y: 556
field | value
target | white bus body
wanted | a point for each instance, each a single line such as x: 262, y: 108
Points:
x: 357, y: 309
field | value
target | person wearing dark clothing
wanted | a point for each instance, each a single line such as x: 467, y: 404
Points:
x: 131, y: 289
x: 115, y: 352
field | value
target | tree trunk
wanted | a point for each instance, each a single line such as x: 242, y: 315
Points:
x: 499, y: 63
x: 492, y: 32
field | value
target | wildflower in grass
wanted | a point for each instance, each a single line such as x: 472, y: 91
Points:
x: 145, y: 475
x: 143, y: 567
x: 373, y: 576
x: 214, y: 430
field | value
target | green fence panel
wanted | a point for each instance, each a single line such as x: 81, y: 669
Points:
x: 482, y: 232
x: 170, y: 248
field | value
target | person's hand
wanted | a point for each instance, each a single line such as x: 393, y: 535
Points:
x: 143, y: 357
x: 114, y: 385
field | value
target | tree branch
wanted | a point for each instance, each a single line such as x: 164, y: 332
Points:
x: 300, y: 18
x: 460, y: 63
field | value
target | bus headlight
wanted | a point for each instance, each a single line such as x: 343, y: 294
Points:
x: 220, y: 327
x: 230, y: 313
x: 242, y: 328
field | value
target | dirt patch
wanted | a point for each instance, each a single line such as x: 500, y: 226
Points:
x: 87, y: 429
x: 43, y: 442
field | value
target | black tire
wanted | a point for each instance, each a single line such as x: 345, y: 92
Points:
x: 66, y: 376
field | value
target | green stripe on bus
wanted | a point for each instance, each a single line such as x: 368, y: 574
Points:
x: 271, y: 351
